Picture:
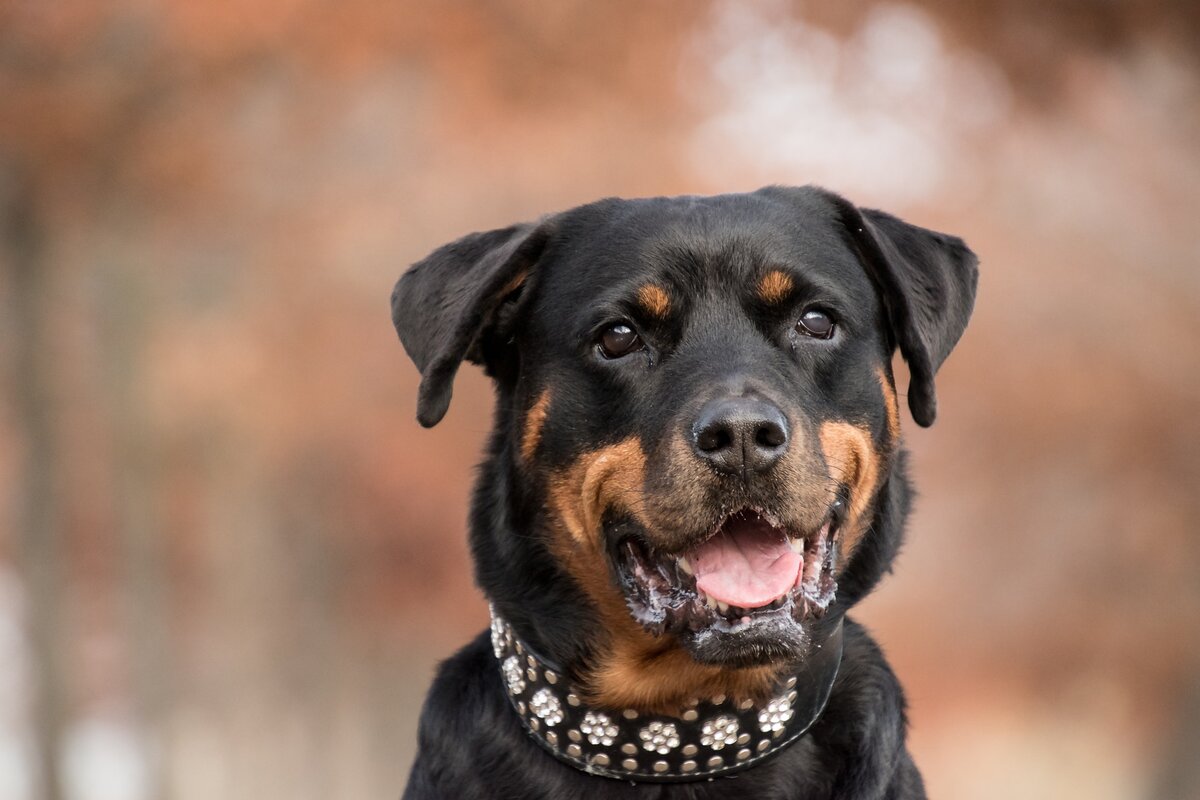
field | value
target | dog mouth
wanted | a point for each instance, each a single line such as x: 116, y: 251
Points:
x: 750, y: 570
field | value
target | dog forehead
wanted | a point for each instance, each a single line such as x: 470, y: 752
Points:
x: 695, y: 243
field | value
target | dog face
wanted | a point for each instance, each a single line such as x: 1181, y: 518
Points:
x: 697, y: 415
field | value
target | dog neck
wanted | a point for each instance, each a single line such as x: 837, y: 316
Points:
x: 711, y: 737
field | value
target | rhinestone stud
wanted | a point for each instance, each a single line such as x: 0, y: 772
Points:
x: 775, y: 716
x: 513, y: 675
x: 718, y: 732
x: 499, y: 641
x: 659, y: 737
x: 546, y: 706
x: 598, y: 728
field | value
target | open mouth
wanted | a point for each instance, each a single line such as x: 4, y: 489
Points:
x: 750, y: 570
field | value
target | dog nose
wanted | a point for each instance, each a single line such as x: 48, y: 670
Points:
x: 740, y: 434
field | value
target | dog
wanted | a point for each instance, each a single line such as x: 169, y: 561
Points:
x: 695, y: 470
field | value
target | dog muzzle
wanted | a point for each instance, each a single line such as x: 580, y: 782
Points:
x: 711, y: 737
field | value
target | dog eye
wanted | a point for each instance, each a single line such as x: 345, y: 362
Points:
x: 619, y: 340
x: 816, y: 324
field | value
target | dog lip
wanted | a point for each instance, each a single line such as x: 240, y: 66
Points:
x: 796, y: 535
x: 793, y: 533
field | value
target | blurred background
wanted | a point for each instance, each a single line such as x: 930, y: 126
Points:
x: 230, y: 559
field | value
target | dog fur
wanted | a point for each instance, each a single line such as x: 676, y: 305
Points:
x: 589, y: 448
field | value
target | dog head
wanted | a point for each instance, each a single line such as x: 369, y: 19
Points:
x: 695, y: 466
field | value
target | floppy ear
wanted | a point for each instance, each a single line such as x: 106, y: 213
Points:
x: 927, y: 280
x: 444, y: 305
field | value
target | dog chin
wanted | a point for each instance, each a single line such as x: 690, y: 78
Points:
x: 772, y: 639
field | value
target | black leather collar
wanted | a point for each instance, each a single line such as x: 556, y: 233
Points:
x: 713, y: 736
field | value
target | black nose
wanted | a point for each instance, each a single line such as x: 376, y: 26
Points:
x: 740, y: 434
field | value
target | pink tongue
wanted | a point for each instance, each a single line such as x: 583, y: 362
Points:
x: 748, y: 563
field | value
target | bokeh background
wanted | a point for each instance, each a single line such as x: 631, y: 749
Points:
x: 229, y: 558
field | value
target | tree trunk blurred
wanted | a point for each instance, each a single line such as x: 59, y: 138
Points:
x: 123, y: 306
x: 1180, y: 775
x: 39, y: 538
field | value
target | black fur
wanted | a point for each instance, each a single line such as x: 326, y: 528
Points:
x: 927, y: 280
x: 528, y: 301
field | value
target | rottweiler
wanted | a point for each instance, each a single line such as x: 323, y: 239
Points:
x: 695, y: 470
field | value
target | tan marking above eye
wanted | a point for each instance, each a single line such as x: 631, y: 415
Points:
x: 534, y: 421
x: 775, y: 286
x: 654, y: 299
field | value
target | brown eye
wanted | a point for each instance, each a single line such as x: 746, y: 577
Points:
x: 816, y: 324
x: 619, y: 340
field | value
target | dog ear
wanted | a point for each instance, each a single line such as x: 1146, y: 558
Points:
x: 927, y: 280
x: 444, y: 305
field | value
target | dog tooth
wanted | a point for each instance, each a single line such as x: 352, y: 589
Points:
x: 723, y: 607
x: 711, y: 603
x: 685, y: 565
x: 797, y: 545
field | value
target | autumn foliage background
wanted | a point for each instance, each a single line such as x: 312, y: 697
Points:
x: 229, y: 558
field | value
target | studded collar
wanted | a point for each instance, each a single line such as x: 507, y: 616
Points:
x: 712, y: 737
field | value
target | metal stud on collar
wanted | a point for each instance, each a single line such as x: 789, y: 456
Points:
x: 712, y: 737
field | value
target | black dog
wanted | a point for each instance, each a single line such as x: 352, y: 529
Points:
x: 695, y: 471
